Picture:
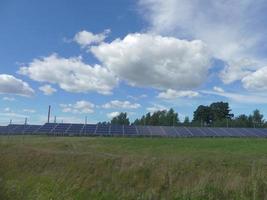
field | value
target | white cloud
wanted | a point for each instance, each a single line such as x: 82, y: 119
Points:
x: 29, y: 110
x: 80, y: 107
x: 156, y: 107
x: 112, y: 114
x: 240, y: 98
x: 71, y: 74
x: 121, y: 105
x: 218, y: 89
x: 47, y: 89
x: 8, y: 99
x: 85, y: 38
x: 173, y: 94
x: 231, y: 29
x: 135, y: 98
x: 256, y: 81
x: 11, y: 85
x: 7, y: 109
x: 155, y: 61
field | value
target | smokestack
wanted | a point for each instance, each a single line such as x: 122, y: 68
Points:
x: 55, y: 119
x: 49, y: 110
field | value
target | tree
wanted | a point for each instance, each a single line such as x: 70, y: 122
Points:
x: 220, y: 111
x: 121, y: 119
x: 159, y: 118
x: 186, y: 121
x: 203, y: 115
x: 217, y: 112
x: 257, y: 118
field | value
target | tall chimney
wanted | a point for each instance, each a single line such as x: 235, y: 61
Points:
x: 49, y: 110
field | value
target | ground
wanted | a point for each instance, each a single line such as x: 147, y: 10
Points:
x: 56, y: 168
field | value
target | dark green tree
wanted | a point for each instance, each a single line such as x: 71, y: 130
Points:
x: 257, y: 118
x: 186, y: 121
x: 121, y: 119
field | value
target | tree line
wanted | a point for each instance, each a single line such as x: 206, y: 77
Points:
x: 217, y: 114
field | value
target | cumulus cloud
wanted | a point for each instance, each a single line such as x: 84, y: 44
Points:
x: 240, y: 98
x: 47, y: 89
x: 71, y: 74
x: 8, y: 99
x: 218, y: 89
x: 26, y: 110
x: 86, y: 38
x: 121, y: 104
x: 231, y: 29
x: 11, y: 85
x: 80, y: 107
x: 135, y: 98
x: 112, y: 114
x: 173, y: 94
x: 256, y: 80
x: 156, y: 107
x: 154, y: 61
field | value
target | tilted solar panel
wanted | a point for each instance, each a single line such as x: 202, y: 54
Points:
x: 47, y: 128
x: 60, y: 129
x: 184, y: 132
x: 89, y: 129
x: 143, y: 131
x: 103, y: 130
x: 156, y: 130
x: 75, y: 129
x: 130, y: 130
x: 170, y: 131
x: 31, y: 129
x: 117, y: 130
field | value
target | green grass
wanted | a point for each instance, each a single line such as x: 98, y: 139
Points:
x: 57, y: 168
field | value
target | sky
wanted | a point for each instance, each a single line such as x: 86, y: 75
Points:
x: 95, y: 59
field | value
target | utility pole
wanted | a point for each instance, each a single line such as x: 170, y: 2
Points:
x: 26, y: 121
x: 48, y: 117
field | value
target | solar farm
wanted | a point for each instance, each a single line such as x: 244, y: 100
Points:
x: 67, y: 129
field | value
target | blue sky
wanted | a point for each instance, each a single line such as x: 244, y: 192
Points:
x: 98, y: 58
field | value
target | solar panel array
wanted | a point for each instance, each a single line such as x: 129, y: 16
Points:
x: 67, y: 129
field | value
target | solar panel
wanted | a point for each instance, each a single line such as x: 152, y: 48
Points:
x: 170, y: 131
x: 116, y: 130
x: 60, y: 129
x: 184, y: 132
x: 196, y: 132
x: 75, y: 129
x: 89, y: 129
x: 16, y: 129
x: 130, y: 130
x: 31, y: 129
x: 103, y: 130
x: 156, y: 131
x: 263, y: 130
x: 3, y: 130
x: 47, y: 128
x: 143, y: 131
x: 66, y: 129
x: 222, y: 132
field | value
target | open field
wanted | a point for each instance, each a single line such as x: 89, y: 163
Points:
x: 68, y: 168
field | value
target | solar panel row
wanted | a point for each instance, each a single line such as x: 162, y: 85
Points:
x: 64, y: 129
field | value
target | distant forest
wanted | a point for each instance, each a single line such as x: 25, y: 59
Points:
x: 217, y: 114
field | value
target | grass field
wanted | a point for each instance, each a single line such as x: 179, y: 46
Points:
x: 57, y: 168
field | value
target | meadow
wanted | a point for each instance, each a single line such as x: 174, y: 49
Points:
x: 81, y: 168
